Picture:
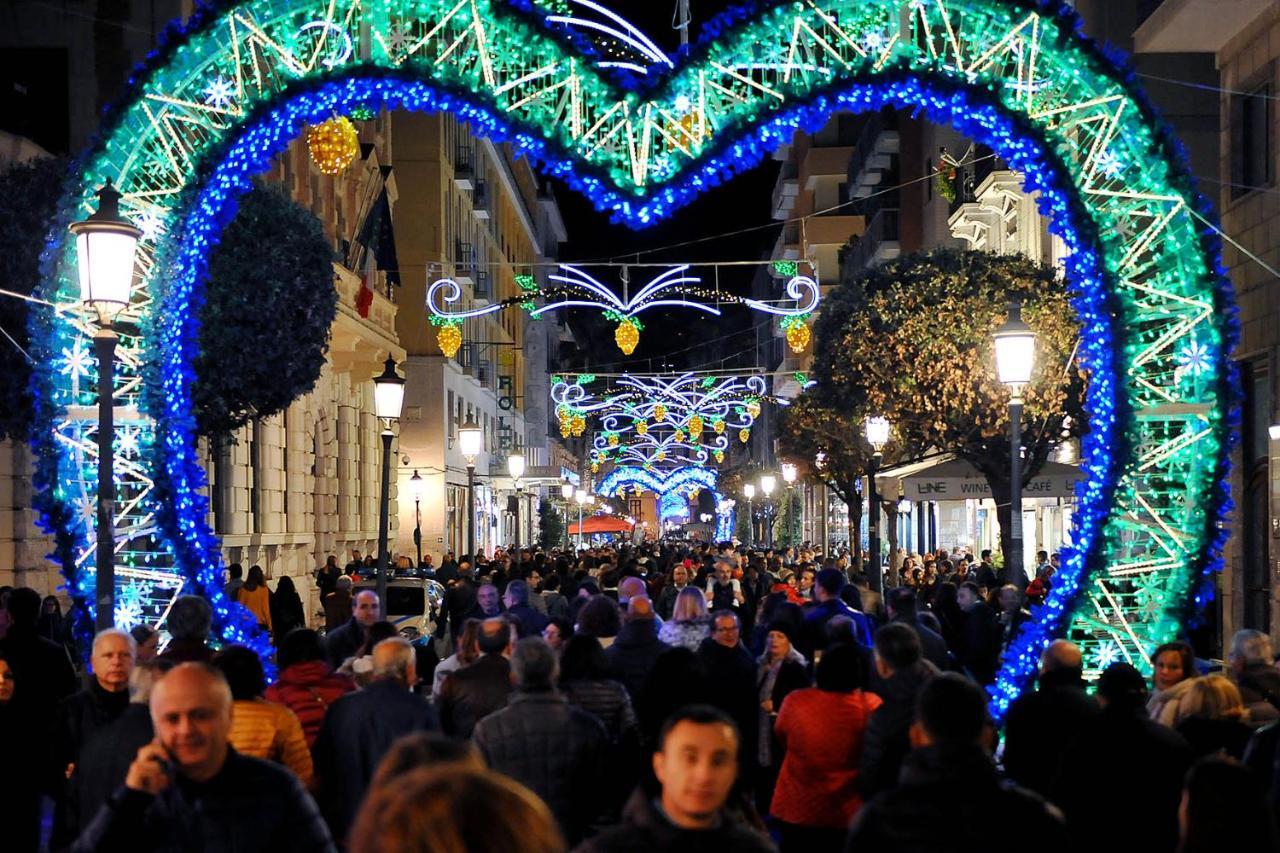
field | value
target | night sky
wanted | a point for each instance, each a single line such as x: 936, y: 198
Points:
x: 685, y: 339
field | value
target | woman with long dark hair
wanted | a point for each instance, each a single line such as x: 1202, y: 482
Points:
x: 286, y: 609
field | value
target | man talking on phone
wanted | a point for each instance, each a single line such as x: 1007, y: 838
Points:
x: 189, y: 790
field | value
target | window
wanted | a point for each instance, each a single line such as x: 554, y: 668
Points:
x: 1251, y: 140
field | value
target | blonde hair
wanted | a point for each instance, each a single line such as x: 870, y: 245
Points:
x: 1210, y: 697
x: 454, y: 808
x: 690, y: 606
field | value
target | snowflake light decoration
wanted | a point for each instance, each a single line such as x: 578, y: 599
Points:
x: 1195, y: 358
x: 131, y: 603
x: 220, y: 93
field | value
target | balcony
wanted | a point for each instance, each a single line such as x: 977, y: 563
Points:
x: 483, y: 288
x: 786, y: 190
x: 480, y: 200
x: 360, y: 344
x: 464, y: 263
x: 464, y: 169
x: 831, y: 230
x: 821, y: 163
x: 879, y: 243
x: 873, y: 157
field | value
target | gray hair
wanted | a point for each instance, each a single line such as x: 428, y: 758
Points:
x: 392, y: 658
x: 190, y: 618
x: 1250, y: 647
x: 534, y: 665
x: 344, y: 582
x: 116, y: 632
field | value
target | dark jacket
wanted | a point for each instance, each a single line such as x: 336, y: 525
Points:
x: 81, y: 717
x: 554, y: 749
x: 337, y: 609
x: 343, y: 642
x: 607, y: 700
x: 1035, y: 725
x: 473, y: 693
x: 731, y: 687
x: 356, y: 733
x: 187, y: 651
x: 42, y: 670
x: 645, y: 829
x: 251, y: 805
x: 813, y: 636
x: 666, y: 602
x: 1124, y: 757
x: 1260, y: 683
x: 950, y: 798
x: 978, y: 642
x: 633, y: 652
x: 20, y: 793
x: 931, y: 643
x: 1207, y: 737
x: 887, y: 741
x: 104, y: 763
x: 529, y: 621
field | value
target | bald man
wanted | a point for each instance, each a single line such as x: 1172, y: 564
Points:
x: 189, y: 790
x: 1032, y: 756
x: 360, y: 727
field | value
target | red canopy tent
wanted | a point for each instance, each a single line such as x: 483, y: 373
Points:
x: 601, y: 524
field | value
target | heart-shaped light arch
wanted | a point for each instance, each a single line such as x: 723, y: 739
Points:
x: 223, y: 96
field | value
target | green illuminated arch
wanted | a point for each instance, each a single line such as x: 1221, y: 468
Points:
x: 247, y: 76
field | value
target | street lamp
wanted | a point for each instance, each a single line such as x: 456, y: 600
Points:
x: 768, y: 483
x: 417, y: 485
x: 471, y: 443
x: 749, y: 492
x: 106, y: 246
x: 877, y: 429
x: 581, y: 497
x: 566, y: 494
x: 1015, y: 357
x: 515, y: 467
x: 388, y: 398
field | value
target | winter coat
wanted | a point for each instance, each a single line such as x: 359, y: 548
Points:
x: 262, y: 729
x: 80, y: 717
x: 42, y: 671
x: 356, y: 733
x: 607, y: 700
x: 978, y: 642
x: 20, y: 795
x: 337, y: 608
x: 104, y: 763
x: 633, y: 652
x: 887, y: 741
x: 932, y: 644
x: 731, y: 687
x: 645, y: 829
x: 286, y: 613
x: 556, y: 604
x: 343, y: 642
x: 529, y: 621
x: 950, y: 799
x: 249, y: 806
x: 474, y: 692
x: 822, y: 734
x: 1034, y: 728
x: 1260, y: 689
x: 1209, y: 737
x: 554, y: 749
x: 258, y: 602
x: 813, y: 636
x: 775, y: 683
x: 688, y: 635
x: 308, y: 689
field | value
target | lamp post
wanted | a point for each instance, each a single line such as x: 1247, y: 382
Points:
x: 471, y: 442
x: 416, y: 485
x: 749, y: 492
x: 1015, y: 357
x: 768, y: 483
x: 388, y: 398
x: 566, y: 494
x: 877, y: 430
x: 106, y: 246
x: 581, y: 497
x: 515, y: 467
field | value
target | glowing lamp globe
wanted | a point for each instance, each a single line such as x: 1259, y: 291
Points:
x: 566, y: 490
x: 388, y: 392
x: 877, y: 432
x: 470, y: 440
x: 417, y: 485
x: 106, y: 245
x: 334, y: 145
x: 580, y: 496
x: 516, y: 465
x: 768, y: 483
x: 749, y: 491
x: 1015, y: 350
x: 789, y: 473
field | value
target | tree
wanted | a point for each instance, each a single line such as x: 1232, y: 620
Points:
x: 28, y: 200
x: 912, y: 340
x: 269, y: 305
x: 550, y: 525
x: 786, y: 527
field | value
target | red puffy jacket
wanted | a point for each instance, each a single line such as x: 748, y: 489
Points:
x: 308, y: 689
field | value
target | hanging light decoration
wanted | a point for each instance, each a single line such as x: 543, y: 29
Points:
x: 334, y: 145
x: 695, y: 427
x: 660, y: 412
x: 744, y: 435
x: 679, y: 436
x: 449, y: 339
x: 627, y: 336
x: 798, y: 334
x: 613, y: 439
x: 642, y: 427
x: 718, y: 425
x: 578, y: 425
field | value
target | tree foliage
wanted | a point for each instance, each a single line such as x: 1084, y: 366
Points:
x: 912, y: 340
x: 269, y: 304
x: 550, y: 525
x: 28, y: 199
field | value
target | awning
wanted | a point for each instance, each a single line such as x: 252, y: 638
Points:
x: 601, y: 524
x: 947, y: 478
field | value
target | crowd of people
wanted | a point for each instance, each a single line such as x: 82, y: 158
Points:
x: 660, y: 697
